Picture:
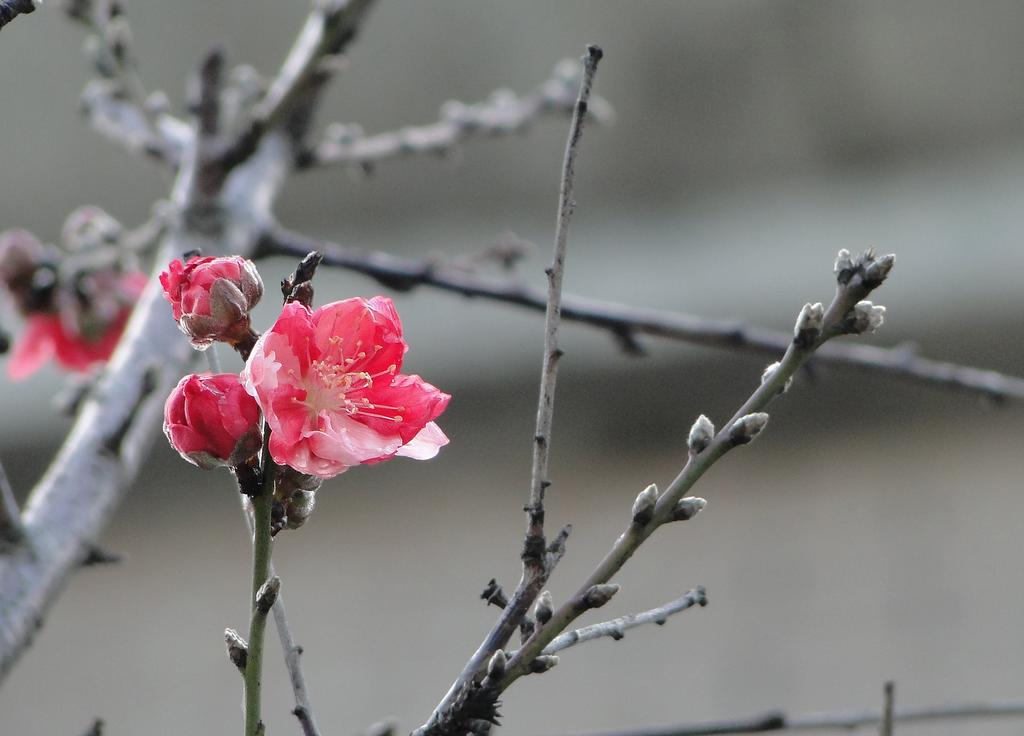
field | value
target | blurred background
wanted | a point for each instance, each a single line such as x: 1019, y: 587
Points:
x: 872, y: 533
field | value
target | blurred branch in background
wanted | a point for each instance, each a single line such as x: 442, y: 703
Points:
x: 11, y: 9
x: 835, y: 721
x: 627, y: 322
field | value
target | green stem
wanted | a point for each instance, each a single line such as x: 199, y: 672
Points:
x: 261, y: 549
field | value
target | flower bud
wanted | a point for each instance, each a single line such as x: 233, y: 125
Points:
x: 687, y: 508
x: 21, y: 254
x: 90, y: 227
x: 299, y: 508
x: 543, y: 663
x: 808, y: 325
x: 844, y: 267
x: 266, y: 596
x: 544, y: 607
x: 211, y: 297
x: 238, y: 650
x: 701, y: 434
x: 643, y: 506
x: 211, y: 421
x: 745, y: 429
x: 865, y: 318
x: 597, y: 595
x: 877, y: 270
x: 767, y: 374
x: 496, y: 667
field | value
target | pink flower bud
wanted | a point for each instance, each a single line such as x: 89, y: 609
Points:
x: 211, y: 297
x: 21, y: 254
x: 211, y: 421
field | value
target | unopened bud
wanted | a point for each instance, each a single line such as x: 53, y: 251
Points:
x: 266, y: 597
x: 543, y: 663
x: 643, y: 506
x: 496, y: 667
x: 238, y: 650
x: 769, y: 371
x: 865, y: 318
x: 299, y: 508
x: 844, y: 267
x: 598, y: 595
x: 808, y: 325
x: 878, y: 270
x: 745, y: 429
x: 701, y: 434
x: 544, y: 607
x: 686, y: 508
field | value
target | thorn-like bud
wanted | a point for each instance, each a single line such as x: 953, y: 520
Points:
x: 494, y: 594
x: 767, y: 374
x: 496, y: 667
x: 701, y: 434
x: 876, y: 271
x: 687, y: 508
x: 266, y: 597
x: 745, y: 429
x: 543, y: 663
x: 865, y: 318
x: 598, y: 595
x: 238, y: 650
x: 808, y: 325
x: 544, y: 607
x: 643, y: 506
x: 844, y: 267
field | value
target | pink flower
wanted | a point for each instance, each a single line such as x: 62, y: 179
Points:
x: 329, y: 385
x: 77, y: 335
x: 211, y: 297
x: 211, y: 421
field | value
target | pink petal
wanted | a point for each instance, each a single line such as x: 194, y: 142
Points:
x: 426, y: 444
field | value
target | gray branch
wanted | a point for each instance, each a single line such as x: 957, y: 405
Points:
x: 627, y: 323
x: 837, y: 721
x: 11, y: 531
x: 617, y: 627
x: 503, y: 114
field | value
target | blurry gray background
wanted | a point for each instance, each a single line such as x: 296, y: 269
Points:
x: 872, y: 533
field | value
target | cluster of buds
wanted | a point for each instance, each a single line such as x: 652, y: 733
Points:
x: 294, y: 498
x: 211, y: 298
x: 75, y: 299
x: 864, y: 318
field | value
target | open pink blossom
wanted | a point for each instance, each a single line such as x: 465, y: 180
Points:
x: 211, y: 297
x: 211, y: 420
x: 329, y: 384
x: 77, y: 335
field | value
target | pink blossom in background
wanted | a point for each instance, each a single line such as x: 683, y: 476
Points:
x: 211, y: 420
x: 330, y: 386
x: 77, y: 335
x: 211, y: 297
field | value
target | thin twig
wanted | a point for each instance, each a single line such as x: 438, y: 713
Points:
x: 617, y: 627
x: 11, y: 9
x: 503, y: 114
x: 11, y: 531
x: 627, y: 322
x: 464, y: 696
x: 888, y: 707
x: 838, y: 721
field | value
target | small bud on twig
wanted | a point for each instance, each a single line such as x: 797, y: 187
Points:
x: 701, y: 434
x: 767, y: 374
x: 543, y: 663
x: 494, y: 594
x: 544, y: 607
x: 643, y: 506
x: 687, y: 508
x: 844, y: 267
x: 864, y: 318
x: 496, y: 667
x: 266, y: 597
x: 745, y: 429
x: 598, y: 595
x: 238, y: 650
x: 808, y: 325
x: 877, y: 270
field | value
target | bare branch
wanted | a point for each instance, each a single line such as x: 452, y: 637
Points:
x: 122, y: 122
x: 11, y: 532
x: 288, y: 103
x: 621, y: 320
x: 466, y: 698
x: 839, y: 721
x: 503, y: 114
x: 11, y: 9
x: 888, y: 709
x: 617, y: 627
